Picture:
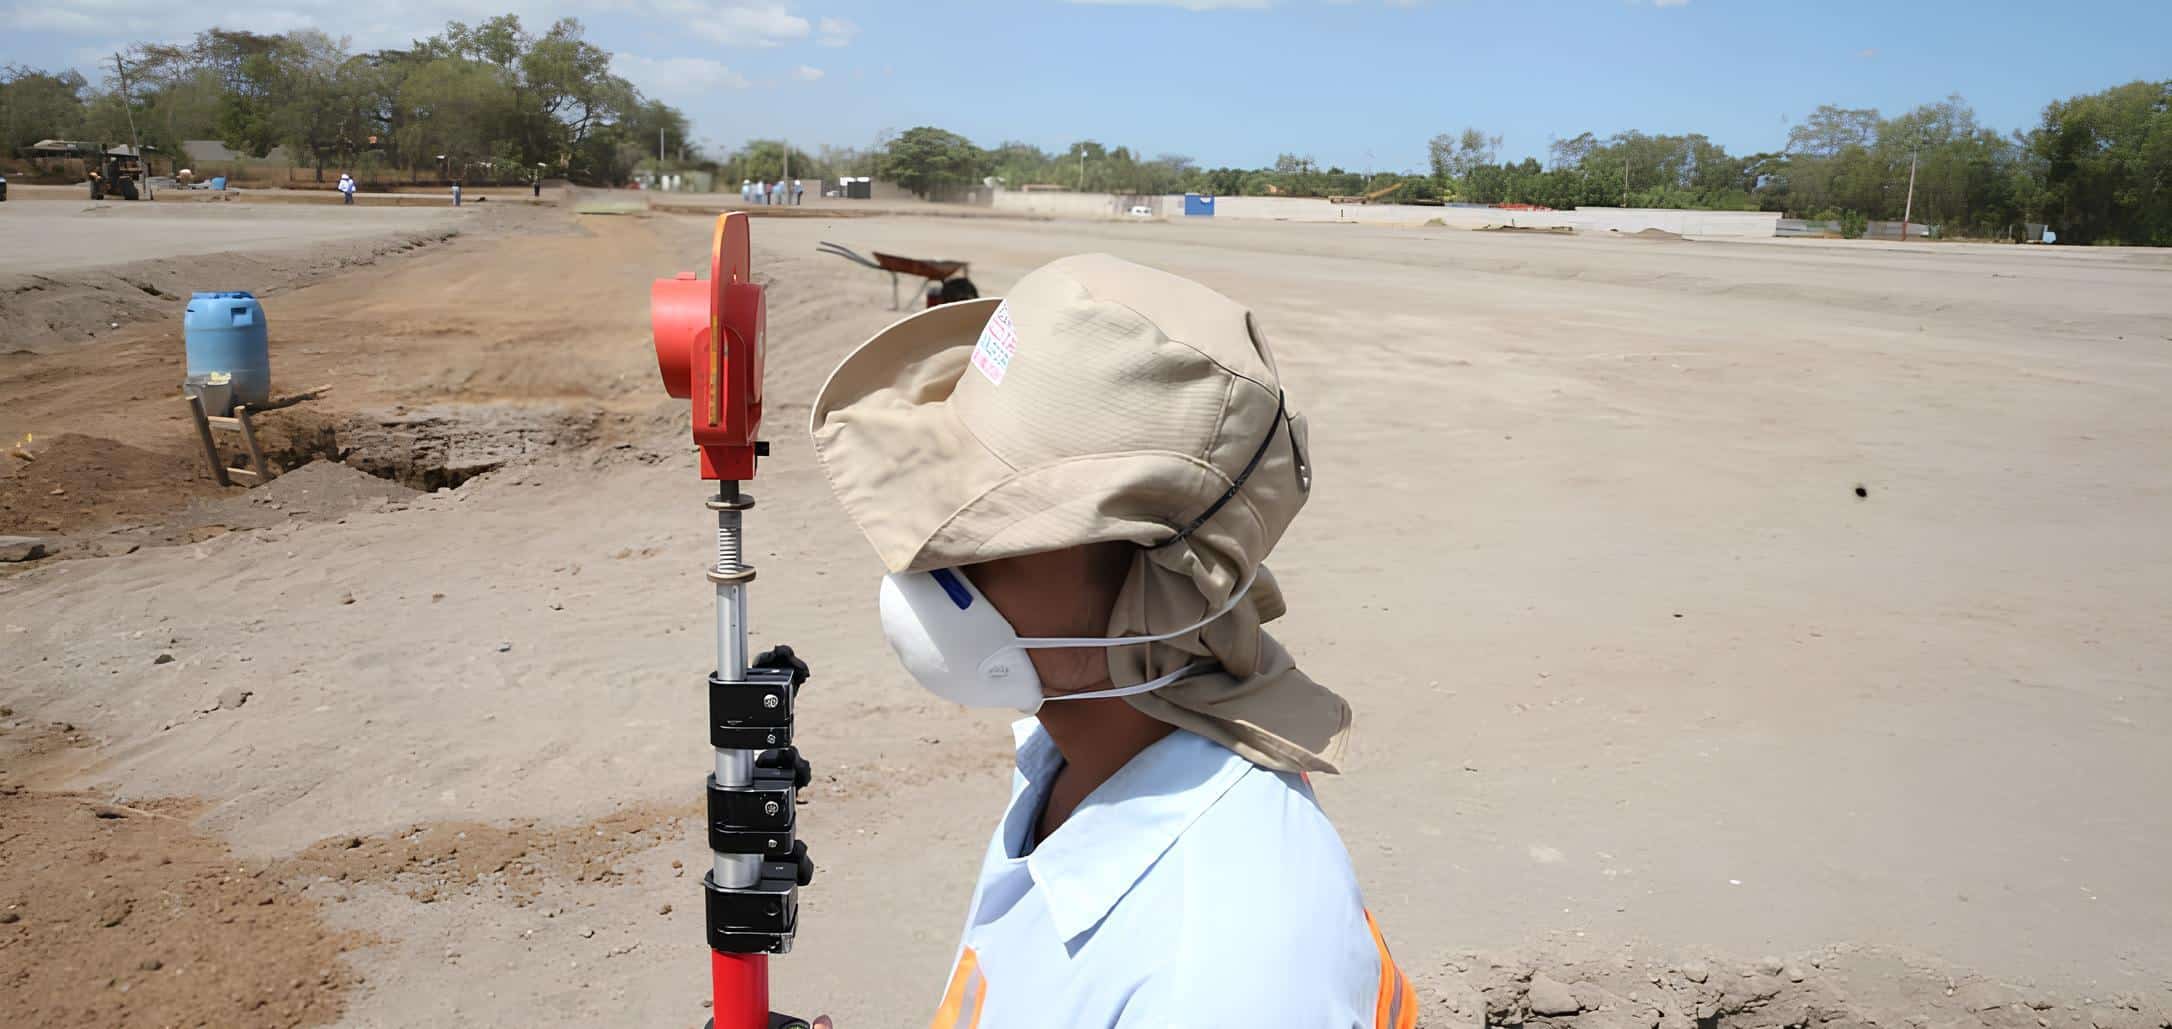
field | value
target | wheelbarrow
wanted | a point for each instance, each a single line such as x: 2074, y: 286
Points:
x: 945, y: 280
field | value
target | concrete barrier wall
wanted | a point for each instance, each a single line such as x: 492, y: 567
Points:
x: 1760, y: 224
x: 1061, y: 205
x: 1304, y: 209
x: 1584, y: 219
x: 1313, y: 209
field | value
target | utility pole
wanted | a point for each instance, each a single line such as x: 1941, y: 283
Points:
x: 128, y: 104
x: 1625, y: 182
x: 1909, y: 207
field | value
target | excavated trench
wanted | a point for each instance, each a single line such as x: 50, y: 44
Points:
x: 428, y: 448
x: 76, y: 496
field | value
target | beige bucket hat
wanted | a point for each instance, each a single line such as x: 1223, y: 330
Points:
x: 1100, y: 400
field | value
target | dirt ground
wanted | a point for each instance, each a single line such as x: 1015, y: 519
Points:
x: 1741, y: 634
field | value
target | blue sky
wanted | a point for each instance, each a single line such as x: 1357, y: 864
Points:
x: 1360, y: 83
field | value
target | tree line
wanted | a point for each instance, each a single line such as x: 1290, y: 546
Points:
x: 2096, y: 168
x: 935, y: 162
x: 491, y: 102
x: 495, y: 102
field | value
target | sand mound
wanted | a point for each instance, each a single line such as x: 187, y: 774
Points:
x: 317, y: 491
x: 38, y: 311
x: 1838, y: 986
x: 114, y: 915
x: 92, y: 497
x: 78, y: 481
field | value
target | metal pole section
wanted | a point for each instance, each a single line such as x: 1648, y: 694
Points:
x: 1909, y: 209
x: 733, y: 767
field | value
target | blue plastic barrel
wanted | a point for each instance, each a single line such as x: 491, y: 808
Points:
x: 225, y: 332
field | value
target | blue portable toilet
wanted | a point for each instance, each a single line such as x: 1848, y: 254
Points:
x: 224, y: 332
x: 1199, y: 205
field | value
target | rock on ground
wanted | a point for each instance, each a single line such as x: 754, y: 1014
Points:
x: 21, y: 548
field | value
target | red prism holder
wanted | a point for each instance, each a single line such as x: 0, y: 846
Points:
x: 709, y: 349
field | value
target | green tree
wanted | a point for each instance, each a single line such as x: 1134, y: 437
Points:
x: 570, y: 92
x: 764, y: 160
x: 37, y: 105
x: 454, y: 111
x: 2107, y: 164
x: 925, y: 160
x: 491, y: 100
x: 1454, y: 158
x: 1830, y: 129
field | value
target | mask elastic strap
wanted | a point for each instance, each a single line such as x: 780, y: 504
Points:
x: 1125, y: 691
x: 1051, y: 643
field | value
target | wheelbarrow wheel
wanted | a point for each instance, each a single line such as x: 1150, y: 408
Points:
x: 960, y: 288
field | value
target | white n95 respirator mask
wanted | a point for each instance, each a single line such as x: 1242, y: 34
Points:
x: 957, y: 645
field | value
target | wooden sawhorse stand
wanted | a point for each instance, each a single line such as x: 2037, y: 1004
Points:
x: 257, y: 473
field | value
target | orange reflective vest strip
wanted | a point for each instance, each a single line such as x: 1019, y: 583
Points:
x: 962, y: 1000
x: 1397, y: 1005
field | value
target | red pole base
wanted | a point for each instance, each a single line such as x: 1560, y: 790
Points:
x: 739, y: 990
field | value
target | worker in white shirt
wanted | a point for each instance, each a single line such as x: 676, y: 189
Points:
x: 1073, y: 488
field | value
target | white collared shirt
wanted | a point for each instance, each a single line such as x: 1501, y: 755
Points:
x: 1191, y: 889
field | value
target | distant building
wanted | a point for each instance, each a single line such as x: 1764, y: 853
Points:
x: 209, y: 151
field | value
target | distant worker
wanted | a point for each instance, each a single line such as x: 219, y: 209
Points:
x: 456, y: 193
x: 784, y: 192
x: 346, y: 189
x: 746, y: 190
x: 798, y: 191
x: 536, y: 187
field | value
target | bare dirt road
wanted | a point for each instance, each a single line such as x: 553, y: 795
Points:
x: 1700, y: 602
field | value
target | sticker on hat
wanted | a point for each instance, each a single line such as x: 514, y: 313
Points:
x: 998, y: 341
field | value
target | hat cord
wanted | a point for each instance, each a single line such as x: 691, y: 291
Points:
x: 1281, y: 404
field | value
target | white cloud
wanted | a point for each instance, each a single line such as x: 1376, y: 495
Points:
x: 732, y: 24
x: 139, y: 18
x: 1867, y: 53
x: 1670, y: 3
x: 670, y: 78
x: 1189, y: 5
x: 806, y: 74
x: 55, y: 19
x: 739, y: 23
x: 836, y: 32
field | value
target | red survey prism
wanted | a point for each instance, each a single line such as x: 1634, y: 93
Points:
x: 709, y: 348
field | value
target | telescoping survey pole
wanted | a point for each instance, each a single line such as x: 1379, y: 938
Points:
x: 709, y: 348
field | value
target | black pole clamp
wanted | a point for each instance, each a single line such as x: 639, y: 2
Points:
x: 758, y: 818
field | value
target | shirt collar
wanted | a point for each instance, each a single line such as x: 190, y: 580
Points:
x: 1123, y: 826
